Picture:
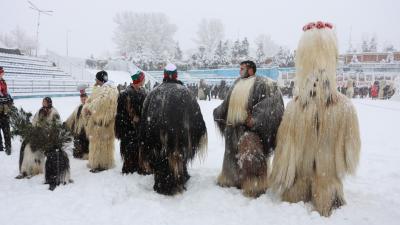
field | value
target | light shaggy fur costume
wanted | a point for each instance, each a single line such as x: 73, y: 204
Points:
x: 102, y: 105
x: 318, y: 140
x: 77, y: 122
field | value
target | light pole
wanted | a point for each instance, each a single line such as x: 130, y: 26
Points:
x: 67, y: 40
x: 39, y: 11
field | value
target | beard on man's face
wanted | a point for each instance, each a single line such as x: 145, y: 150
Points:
x: 244, y: 73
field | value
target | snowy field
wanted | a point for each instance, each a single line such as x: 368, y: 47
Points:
x: 109, y: 198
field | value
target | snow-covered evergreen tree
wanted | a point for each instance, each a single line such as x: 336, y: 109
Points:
x: 235, y: 52
x: 284, y: 58
x: 178, y: 52
x: 244, y: 49
x: 373, y: 45
x: 365, y: 46
x: 260, y: 55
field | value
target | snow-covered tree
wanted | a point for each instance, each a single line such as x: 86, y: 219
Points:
x: 235, y: 52
x: 284, y: 58
x: 210, y: 32
x: 389, y: 48
x: 244, y: 49
x: 260, y: 55
x: 145, y: 37
x: 270, y: 48
x: 18, y: 38
x: 364, y: 46
x: 373, y: 45
x: 221, y: 53
x: 369, y: 44
x: 178, y: 52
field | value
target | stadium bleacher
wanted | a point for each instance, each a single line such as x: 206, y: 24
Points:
x: 33, y: 76
x: 20, y: 66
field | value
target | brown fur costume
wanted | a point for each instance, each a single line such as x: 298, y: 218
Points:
x: 318, y: 140
x: 102, y: 105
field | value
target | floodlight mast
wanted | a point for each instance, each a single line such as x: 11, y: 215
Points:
x: 39, y: 11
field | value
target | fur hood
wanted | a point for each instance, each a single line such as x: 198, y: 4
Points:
x: 316, y: 60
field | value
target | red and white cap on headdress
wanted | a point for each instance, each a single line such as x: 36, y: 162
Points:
x: 317, y: 25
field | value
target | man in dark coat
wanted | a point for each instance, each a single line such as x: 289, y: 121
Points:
x: 127, y: 120
x: 172, y: 132
x: 249, y: 118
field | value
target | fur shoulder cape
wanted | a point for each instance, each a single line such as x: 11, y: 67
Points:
x: 102, y: 104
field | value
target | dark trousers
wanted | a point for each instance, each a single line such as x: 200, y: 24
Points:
x: 130, y: 155
x: 5, y: 127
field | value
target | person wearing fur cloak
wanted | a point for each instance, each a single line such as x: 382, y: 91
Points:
x: 249, y: 118
x: 76, y: 124
x: 32, y: 158
x: 318, y: 141
x: 99, y: 111
x: 127, y: 121
x: 173, y: 132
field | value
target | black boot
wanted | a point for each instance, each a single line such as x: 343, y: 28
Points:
x: 8, y: 150
x: 97, y: 170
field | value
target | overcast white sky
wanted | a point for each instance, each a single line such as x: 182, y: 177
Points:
x: 91, y: 22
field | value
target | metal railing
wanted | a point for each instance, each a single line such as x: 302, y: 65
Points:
x: 75, y: 67
x: 35, y: 87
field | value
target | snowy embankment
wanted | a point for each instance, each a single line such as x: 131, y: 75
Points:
x: 373, y: 195
x: 118, y: 77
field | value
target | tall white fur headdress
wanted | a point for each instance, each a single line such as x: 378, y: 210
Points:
x: 316, y: 60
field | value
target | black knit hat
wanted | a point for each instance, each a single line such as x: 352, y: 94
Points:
x: 102, y: 76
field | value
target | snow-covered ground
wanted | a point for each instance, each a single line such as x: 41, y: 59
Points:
x: 373, y: 196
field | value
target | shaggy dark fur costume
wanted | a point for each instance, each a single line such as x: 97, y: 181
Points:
x: 130, y: 103
x: 57, y: 170
x: 173, y: 131
x: 81, y: 142
x: 241, y: 163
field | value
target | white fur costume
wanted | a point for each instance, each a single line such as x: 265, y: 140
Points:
x: 102, y: 105
x: 318, y: 140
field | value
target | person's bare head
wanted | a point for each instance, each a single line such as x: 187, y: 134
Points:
x: 247, y: 68
x: 83, y: 98
x: 47, y: 102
